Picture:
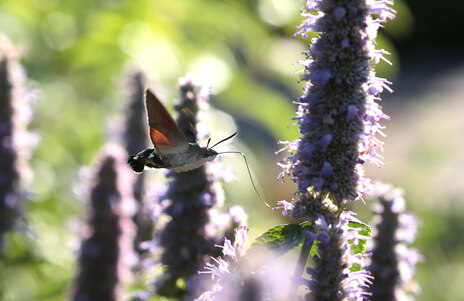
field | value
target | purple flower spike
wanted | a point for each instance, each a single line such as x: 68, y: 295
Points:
x: 15, y: 142
x: 135, y: 139
x: 392, y: 262
x: 197, y: 222
x: 339, y: 117
x: 106, y: 254
x: 338, y: 112
x: 331, y: 277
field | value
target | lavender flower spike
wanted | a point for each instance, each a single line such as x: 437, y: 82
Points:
x: 135, y: 139
x: 196, y: 221
x: 106, y: 252
x: 339, y: 124
x: 15, y: 142
x: 392, y: 261
x: 338, y: 114
x: 331, y: 276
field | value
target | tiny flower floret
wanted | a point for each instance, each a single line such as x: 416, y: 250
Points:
x: 327, y: 169
x: 352, y: 111
x: 339, y: 13
x: 232, y: 252
x: 218, y: 269
x: 286, y: 206
x: 227, y: 248
x: 382, y: 8
x: 325, y: 141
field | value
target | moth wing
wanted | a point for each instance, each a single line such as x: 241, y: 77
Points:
x: 164, y: 132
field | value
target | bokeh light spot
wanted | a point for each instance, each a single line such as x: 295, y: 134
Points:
x: 278, y: 12
x: 282, y: 54
x: 59, y: 31
x: 211, y: 71
x: 45, y: 5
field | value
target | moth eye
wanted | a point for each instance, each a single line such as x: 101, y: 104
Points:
x: 205, y: 156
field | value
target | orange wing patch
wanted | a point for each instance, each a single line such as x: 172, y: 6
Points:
x: 164, y: 132
x: 165, y: 141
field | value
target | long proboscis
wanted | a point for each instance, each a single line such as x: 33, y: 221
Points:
x: 248, y: 169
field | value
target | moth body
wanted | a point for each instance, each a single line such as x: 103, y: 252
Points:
x: 193, y: 157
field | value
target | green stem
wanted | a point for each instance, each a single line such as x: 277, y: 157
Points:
x: 301, y: 264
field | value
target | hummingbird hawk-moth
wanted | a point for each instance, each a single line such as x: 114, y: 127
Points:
x: 171, y: 149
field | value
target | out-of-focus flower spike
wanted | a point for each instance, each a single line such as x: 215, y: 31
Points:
x: 106, y: 253
x: 135, y: 139
x: 197, y: 222
x: 15, y: 142
x: 392, y: 263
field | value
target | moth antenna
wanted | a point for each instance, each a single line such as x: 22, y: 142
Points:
x: 209, y: 139
x: 231, y: 136
x: 248, y: 169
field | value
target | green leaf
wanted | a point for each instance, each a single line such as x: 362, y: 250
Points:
x: 360, y: 248
x: 314, y: 250
x: 355, y: 268
x: 281, y: 238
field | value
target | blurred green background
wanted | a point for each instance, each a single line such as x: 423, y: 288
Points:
x: 78, y: 55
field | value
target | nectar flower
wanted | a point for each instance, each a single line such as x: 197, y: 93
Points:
x: 331, y: 277
x: 338, y: 114
x: 338, y: 117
